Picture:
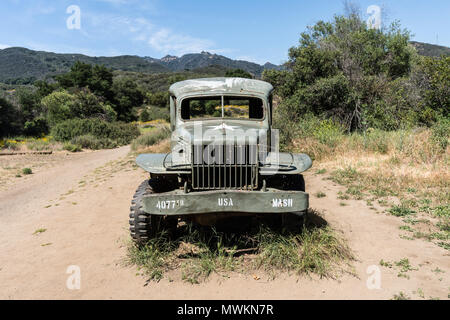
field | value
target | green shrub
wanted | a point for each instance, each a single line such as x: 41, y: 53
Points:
x: 57, y: 105
x: 27, y: 171
x: 154, y: 113
x: 90, y: 142
x: 376, y: 140
x: 38, y: 145
x: 401, y: 211
x: 117, y: 132
x: 441, y: 133
x: 144, y: 116
x: 328, y: 133
x: 71, y: 147
x: 36, y: 128
x: 10, y: 145
x: 151, y: 138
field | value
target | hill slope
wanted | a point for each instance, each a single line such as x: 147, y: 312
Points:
x: 430, y: 50
x: 22, y: 66
x: 200, y: 60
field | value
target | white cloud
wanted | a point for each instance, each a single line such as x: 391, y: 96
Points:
x: 251, y: 59
x: 4, y: 46
x: 166, y: 41
x: 159, y: 38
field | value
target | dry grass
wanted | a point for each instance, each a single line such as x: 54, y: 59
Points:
x: 150, y: 138
x: 403, y: 171
x: 160, y: 147
x: 408, y: 163
x: 199, y: 252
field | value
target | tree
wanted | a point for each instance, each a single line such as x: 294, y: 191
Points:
x: 238, y: 73
x: 101, y: 82
x: 8, y: 119
x: 341, y: 70
x: 98, y: 79
x: 158, y: 99
x: 437, y: 84
x: 30, y: 104
x: 144, y: 116
x: 58, y: 107
x: 127, y: 96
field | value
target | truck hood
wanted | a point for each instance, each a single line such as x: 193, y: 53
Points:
x: 205, y: 132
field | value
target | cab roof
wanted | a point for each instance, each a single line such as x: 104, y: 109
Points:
x: 220, y: 86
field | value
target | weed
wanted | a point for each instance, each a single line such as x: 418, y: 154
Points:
x: 401, y: 211
x: 385, y: 264
x: 420, y: 293
x: 38, y: 231
x: 320, y: 194
x: 406, y: 228
x: 405, y: 265
x: 343, y: 196
x: 27, y: 171
x: 356, y: 192
x: 437, y: 270
x: 401, y: 296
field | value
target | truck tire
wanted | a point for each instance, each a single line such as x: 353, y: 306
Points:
x: 144, y: 226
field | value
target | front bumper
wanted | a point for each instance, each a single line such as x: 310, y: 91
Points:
x: 178, y: 203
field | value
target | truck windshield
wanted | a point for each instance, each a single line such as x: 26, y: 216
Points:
x: 220, y: 107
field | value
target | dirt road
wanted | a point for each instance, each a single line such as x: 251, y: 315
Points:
x: 75, y: 213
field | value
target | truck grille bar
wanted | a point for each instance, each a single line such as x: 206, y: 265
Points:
x: 221, y: 167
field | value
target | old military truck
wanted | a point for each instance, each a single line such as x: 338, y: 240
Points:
x: 224, y: 160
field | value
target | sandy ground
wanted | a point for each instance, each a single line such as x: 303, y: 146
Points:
x: 83, y: 201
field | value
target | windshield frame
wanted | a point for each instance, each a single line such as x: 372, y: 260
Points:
x: 222, y: 98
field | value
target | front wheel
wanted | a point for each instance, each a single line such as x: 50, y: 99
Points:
x: 144, y: 226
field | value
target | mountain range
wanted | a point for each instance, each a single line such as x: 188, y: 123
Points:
x: 22, y: 66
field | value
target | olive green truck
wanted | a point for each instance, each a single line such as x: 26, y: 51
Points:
x: 224, y: 160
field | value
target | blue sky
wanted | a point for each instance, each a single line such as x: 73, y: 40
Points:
x: 254, y: 30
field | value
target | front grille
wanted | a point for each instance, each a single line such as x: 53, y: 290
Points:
x: 218, y: 167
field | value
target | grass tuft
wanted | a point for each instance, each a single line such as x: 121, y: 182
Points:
x: 27, y: 171
x: 198, y: 252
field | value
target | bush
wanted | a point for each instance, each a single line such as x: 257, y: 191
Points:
x: 27, y: 171
x: 155, y: 113
x: 62, y: 106
x: 8, y: 119
x: 38, y: 145
x: 441, y: 133
x: 117, y: 132
x: 328, y: 133
x: 376, y: 140
x: 91, y: 142
x: 144, y: 116
x: 71, y: 147
x: 151, y: 138
x: 57, y: 105
x: 9, y: 144
x: 36, y: 128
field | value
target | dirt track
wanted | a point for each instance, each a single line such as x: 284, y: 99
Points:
x: 83, y: 201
